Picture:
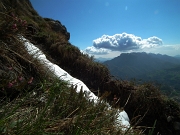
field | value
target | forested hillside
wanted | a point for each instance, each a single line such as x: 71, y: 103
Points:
x: 132, y: 65
x: 162, y: 70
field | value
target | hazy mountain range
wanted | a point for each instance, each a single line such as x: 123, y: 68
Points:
x: 163, y: 70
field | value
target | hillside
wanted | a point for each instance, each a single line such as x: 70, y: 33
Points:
x: 167, y: 79
x: 26, y: 84
x: 177, y: 56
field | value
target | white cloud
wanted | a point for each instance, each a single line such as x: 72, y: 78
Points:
x: 121, y: 42
x: 170, y: 50
x: 151, y: 42
x: 125, y: 41
x: 97, y: 51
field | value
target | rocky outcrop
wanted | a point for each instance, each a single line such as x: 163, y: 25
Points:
x: 31, y: 29
x: 58, y: 27
x: 174, y: 124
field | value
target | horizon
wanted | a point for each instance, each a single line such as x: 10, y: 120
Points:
x: 108, y: 28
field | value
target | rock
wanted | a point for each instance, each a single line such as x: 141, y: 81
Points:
x: 58, y: 27
x: 176, y: 126
x: 31, y: 29
x: 169, y: 118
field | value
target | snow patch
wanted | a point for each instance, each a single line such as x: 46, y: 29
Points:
x: 122, y: 120
x: 59, y: 72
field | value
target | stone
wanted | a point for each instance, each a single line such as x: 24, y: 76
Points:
x: 176, y: 126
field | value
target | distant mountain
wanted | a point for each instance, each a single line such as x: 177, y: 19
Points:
x: 100, y: 59
x: 177, y: 56
x: 133, y: 65
x: 161, y: 69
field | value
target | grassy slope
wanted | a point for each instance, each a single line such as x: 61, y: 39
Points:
x: 144, y: 103
x: 42, y: 105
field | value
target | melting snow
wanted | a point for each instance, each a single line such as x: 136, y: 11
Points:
x: 122, y: 120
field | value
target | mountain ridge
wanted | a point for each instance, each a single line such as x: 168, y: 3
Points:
x: 163, y: 70
x: 137, y: 62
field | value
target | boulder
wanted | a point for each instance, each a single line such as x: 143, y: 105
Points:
x: 176, y: 126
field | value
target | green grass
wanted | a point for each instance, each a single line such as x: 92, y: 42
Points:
x: 54, y: 108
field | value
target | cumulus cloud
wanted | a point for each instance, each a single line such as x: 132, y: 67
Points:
x: 151, y: 42
x: 125, y: 41
x: 122, y: 42
x: 97, y: 51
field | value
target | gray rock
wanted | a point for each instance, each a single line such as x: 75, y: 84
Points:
x: 176, y: 126
x: 170, y: 118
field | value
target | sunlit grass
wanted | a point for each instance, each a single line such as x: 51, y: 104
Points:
x: 54, y: 108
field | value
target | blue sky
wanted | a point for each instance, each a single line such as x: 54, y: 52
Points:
x: 127, y: 25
